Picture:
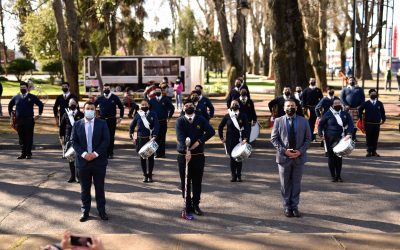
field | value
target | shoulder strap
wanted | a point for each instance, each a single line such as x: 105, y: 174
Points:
x: 144, y: 119
x: 235, y: 122
x: 70, y: 116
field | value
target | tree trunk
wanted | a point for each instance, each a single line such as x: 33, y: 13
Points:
x: 3, y: 36
x: 322, y: 28
x: 289, y: 58
x: 256, y: 56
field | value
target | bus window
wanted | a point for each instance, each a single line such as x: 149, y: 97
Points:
x: 119, y: 68
x: 161, y: 67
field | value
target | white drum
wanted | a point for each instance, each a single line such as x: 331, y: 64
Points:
x: 241, y: 152
x: 148, y: 149
x: 344, y: 148
x: 70, y: 154
x: 255, y: 132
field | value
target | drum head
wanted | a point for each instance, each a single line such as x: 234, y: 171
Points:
x: 255, y: 132
x: 238, y: 149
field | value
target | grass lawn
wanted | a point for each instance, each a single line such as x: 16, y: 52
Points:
x: 11, y: 88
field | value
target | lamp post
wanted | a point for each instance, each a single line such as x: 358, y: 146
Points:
x: 244, y: 8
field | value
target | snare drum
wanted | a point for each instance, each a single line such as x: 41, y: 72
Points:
x: 148, y: 149
x: 344, y: 148
x: 241, y: 152
x: 255, y: 132
x: 70, y: 154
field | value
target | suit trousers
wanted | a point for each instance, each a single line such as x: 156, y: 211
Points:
x: 334, y: 161
x: 311, y: 121
x: 372, y: 135
x: 111, y: 124
x: 161, y: 137
x: 195, y: 177
x: 25, y: 129
x: 236, y: 168
x: 290, y: 175
x: 96, y: 174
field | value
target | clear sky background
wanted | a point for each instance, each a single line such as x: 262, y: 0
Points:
x: 158, y: 17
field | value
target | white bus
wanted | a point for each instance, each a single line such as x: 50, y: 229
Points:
x: 135, y: 72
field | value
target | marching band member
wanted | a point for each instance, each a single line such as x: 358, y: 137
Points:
x: 325, y: 103
x: 108, y: 104
x: 148, y: 126
x: 164, y: 109
x: 374, y: 117
x: 310, y: 98
x: 25, y: 120
x: 235, y: 92
x: 62, y: 102
x: 333, y: 126
x: 203, y: 104
x: 298, y: 94
x: 68, y: 120
x: 199, y: 130
x: 279, y: 102
x: 247, y: 107
x: 238, y: 131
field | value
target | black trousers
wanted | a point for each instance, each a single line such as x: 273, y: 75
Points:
x: 140, y: 142
x: 25, y: 129
x: 372, y: 135
x: 311, y: 120
x: 162, y: 133
x: 236, y: 168
x: 334, y: 161
x: 112, y: 124
x: 195, y: 177
x: 96, y: 174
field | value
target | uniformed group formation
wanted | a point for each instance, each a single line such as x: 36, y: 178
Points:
x: 92, y: 136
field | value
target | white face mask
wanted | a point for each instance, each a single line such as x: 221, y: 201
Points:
x: 89, y: 114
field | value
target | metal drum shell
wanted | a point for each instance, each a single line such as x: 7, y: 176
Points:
x: 148, y: 149
x: 70, y: 154
x: 344, y: 148
x: 255, y: 132
x: 241, y: 152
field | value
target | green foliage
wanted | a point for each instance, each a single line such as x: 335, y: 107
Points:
x: 54, y: 68
x: 40, y: 34
x: 1, y: 69
x: 22, y: 8
x: 208, y: 46
x: 19, y: 67
x: 186, y: 36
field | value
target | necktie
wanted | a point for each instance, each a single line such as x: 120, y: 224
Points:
x: 89, y: 136
x: 292, y: 136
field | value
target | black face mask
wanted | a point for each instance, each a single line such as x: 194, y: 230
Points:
x: 238, y: 85
x: 290, y: 111
x: 144, y: 109
x: 373, y: 96
x: 235, y: 107
x: 198, y: 92
x: 331, y: 93
x: 312, y: 83
x: 106, y: 91
x: 299, y: 91
x: 287, y: 93
x: 65, y: 90
x: 158, y: 93
x: 189, y: 111
x: 72, y: 107
x: 352, y: 83
x: 337, y: 107
x: 195, y: 98
x: 23, y: 91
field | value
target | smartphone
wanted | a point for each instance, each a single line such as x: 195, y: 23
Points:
x: 81, y: 241
x: 292, y: 151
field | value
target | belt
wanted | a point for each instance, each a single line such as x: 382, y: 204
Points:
x: 192, y: 154
x: 106, y: 118
x: 143, y: 137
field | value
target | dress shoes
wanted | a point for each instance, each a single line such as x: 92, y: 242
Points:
x: 197, y: 210
x: 103, y: 216
x: 288, y: 212
x: 21, y: 157
x: 71, y: 180
x: 150, y: 179
x: 234, y: 178
x: 145, y: 179
x: 369, y: 154
x: 29, y: 157
x: 84, y: 217
x: 375, y: 154
x: 239, y: 179
x: 334, y: 179
x: 296, y: 213
x: 339, y: 179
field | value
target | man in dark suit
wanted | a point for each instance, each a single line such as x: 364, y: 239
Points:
x: 291, y: 136
x: 91, y: 138
x: 25, y: 119
x: 310, y: 98
x: 276, y: 106
x: 374, y: 117
x: 62, y: 102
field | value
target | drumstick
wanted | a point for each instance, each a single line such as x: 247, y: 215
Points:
x: 325, y: 147
x: 184, y: 215
x: 226, y: 151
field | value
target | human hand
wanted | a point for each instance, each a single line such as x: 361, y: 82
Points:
x: 289, y: 153
x: 134, y: 140
x: 223, y: 140
x: 39, y: 116
x: 66, y: 240
x: 244, y: 141
x: 347, y: 137
x: 96, y: 244
x: 195, y: 145
x: 57, y: 122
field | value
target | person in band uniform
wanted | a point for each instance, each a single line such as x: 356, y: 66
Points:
x: 62, y: 102
x: 25, y: 120
x: 199, y: 130
x: 277, y: 104
x: 235, y: 91
x: 333, y: 126
x: 374, y: 116
x: 247, y: 107
x: 203, y: 104
x: 298, y: 94
x: 67, y: 122
x: 235, y: 133
x: 291, y: 136
x: 108, y: 104
x: 144, y: 135
x: 325, y: 103
x: 164, y: 109
x: 91, y: 138
x: 130, y: 104
x: 310, y: 99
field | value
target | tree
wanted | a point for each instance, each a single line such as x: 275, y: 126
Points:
x: 231, y: 47
x: 340, y: 28
x: 159, y: 43
x: 289, y: 57
x: 3, y: 33
x: 22, y: 9
x: 208, y: 9
x: 54, y: 68
x: 186, y: 37
x: 208, y: 46
x: 19, y: 67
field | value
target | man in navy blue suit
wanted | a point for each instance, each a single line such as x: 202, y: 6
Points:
x: 91, y: 138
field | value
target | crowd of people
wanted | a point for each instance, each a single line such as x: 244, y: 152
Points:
x: 297, y: 120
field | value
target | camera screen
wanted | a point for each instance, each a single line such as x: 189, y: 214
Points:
x: 80, y: 241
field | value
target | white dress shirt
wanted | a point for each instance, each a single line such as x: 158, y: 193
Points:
x: 87, y: 122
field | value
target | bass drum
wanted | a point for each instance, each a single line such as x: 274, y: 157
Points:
x: 148, y: 149
x: 241, y: 152
x: 255, y: 132
x: 344, y: 148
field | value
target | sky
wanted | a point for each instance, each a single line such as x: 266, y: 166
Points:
x: 158, y: 17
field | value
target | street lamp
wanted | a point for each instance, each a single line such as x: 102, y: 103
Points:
x: 244, y: 8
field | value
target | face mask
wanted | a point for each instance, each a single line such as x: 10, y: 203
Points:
x: 145, y: 109
x: 189, y: 111
x: 373, y: 96
x: 89, y: 114
x: 331, y: 93
x: 237, y: 85
x: 198, y: 92
x: 312, y: 83
x: 158, y: 93
x: 106, y: 91
x: 287, y: 93
x: 72, y: 107
x: 23, y: 91
x: 352, y: 83
x: 65, y: 90
x: 299, y: 91
x: 290, y: 111
x: 235, y: 107
x: 195, y: 98
x: 337, y: 108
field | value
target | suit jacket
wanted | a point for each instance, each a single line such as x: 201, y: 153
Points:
x: 100, y: 142
x: 280, y: 139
